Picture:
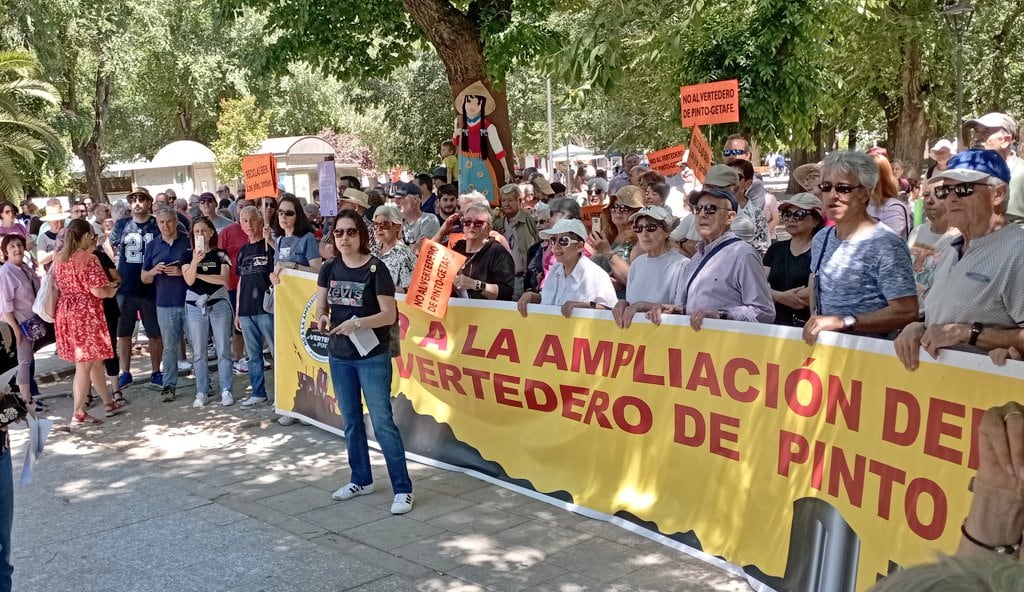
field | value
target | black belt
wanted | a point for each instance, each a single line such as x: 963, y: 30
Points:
x: 208, y: 302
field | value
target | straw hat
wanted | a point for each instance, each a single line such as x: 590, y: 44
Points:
x: 53, y: 213
x: 355, y: 196
x: 628, y: 195
x: 476, y: 89
x: 803, y: 173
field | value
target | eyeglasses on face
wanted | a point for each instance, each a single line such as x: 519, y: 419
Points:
x: 385, y: 225
x: 960, y: 189
x: 206, y: 200
x: 562, y: 241
x: 270, y: 204
x: 733, y: 152
x: 641, y: 228
x: 136, y: 198
x: 595, y: 192
x: 840, y: 188
x: 349, y: 232
x: 794, y: 215
x: 709, y: 209
x: 473, y: 223
x: 286, y: 213
x: 619, y: 208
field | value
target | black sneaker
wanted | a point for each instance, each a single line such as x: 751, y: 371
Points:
x: 167, y: 394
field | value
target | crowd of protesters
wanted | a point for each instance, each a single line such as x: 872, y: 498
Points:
x: 845, y: 256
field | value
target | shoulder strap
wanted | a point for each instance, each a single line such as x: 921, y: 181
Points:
x: 828, y: 234
x: 703, y: 262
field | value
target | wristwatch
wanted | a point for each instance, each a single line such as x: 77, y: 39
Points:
x: 723, y: 313
x: 849, y: 322
x: 975, y: 332
x: 480, y: 286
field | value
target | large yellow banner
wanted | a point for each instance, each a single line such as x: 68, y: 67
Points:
x: 812, y: 468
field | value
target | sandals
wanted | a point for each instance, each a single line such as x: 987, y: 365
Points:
x: 112, y: 409
x: 119, y: 399
x: 85, y: 419
x: 40, y: 406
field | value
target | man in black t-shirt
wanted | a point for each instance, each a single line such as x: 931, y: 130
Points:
x: 255, y: 263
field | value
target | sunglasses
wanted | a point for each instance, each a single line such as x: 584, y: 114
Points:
x: 709, y: 209
x: 733, y: 152
x: 137, y: 199
x: 641, y: 228
x: 383, y: 225
x: 960, y: 189
x: 286, y: 213
x: 270, y: 204
x: 562, y: 241
x: 206, y: 200
x: 595, y: 192
x: 349, y: 232
x: 841, y: 188
x: 795, y: 216
x: 473, y: 223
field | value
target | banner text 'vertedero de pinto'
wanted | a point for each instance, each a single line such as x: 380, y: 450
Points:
x: 728, y: 433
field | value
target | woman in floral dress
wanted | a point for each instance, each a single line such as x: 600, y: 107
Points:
x: 81, y: 329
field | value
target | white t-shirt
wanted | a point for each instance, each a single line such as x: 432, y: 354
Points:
x: 652, y: 279
x: 587, y: 283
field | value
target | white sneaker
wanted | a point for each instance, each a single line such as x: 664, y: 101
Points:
x: 402, y: 503
x: 184, y: 365
x: 226, y: 399
x: 211, y: 353
x: 200, y: 401
x: 254, y: 401
x: 240, y: 367
x: 352, y: 490
x: 267, y: 364
x: 286, y: 421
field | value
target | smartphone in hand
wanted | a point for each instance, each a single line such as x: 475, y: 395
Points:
x: 595, y: 224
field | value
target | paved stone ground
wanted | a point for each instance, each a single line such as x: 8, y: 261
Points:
x: 168, y: 498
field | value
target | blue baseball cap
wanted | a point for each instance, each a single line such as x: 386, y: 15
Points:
x: 719, y: 193
x: 404, y: 189
x: 971, y: 166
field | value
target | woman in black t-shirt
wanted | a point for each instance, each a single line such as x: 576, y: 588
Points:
x: 207, y: 306
x: 111, y: 313
x: 356, y: 308
x: 789, y: 262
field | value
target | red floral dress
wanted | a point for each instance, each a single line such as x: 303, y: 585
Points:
x: 81, y: 329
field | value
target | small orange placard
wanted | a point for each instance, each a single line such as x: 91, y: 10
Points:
x: 714, y: 102
x: 260, y: 172
x: 588, y: 213
x: 433, y: 278
x: 699, y: 158
x: 666, y: 160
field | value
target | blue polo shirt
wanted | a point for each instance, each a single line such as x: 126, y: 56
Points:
x: 170, y: 290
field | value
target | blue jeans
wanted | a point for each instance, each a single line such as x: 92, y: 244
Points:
x: 219, y: 317
x: 172, y: 324
x: 373, y: 376
x: 254, y: 329
x: 6, y: 517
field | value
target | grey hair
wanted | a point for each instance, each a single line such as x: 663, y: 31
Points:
x: 473, y: 197
x: 166, y: 213
x: 118, y: 209
x: 480, y: 207
x: 565, y: 205
x: 953, y: 574
x: 389, y: 213
x: 852, y: 162
x: 251, y: 211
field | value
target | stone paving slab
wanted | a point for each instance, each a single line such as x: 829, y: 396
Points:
x: 167, y: 498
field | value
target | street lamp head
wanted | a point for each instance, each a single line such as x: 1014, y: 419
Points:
x: 958, y: 17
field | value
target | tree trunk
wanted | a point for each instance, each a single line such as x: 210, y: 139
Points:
x: 908, y: 129
x: 802, y: 156
x: 91, y: 150
x: 457, y: 40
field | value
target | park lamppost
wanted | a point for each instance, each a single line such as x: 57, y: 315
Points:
x: 958, y: 19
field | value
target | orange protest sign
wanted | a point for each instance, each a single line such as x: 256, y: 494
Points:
x: 714, y: 102
x: 433, y: 278
x: 260, y: 172
x: 666, y: 160
x: 588, y: 213
x: 699, y: 158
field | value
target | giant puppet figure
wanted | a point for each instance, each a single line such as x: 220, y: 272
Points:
x: 482, y: 165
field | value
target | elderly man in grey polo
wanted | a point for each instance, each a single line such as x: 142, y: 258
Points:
x: 977, y: 300
x: 998, y: 131
x: 725, y: 278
